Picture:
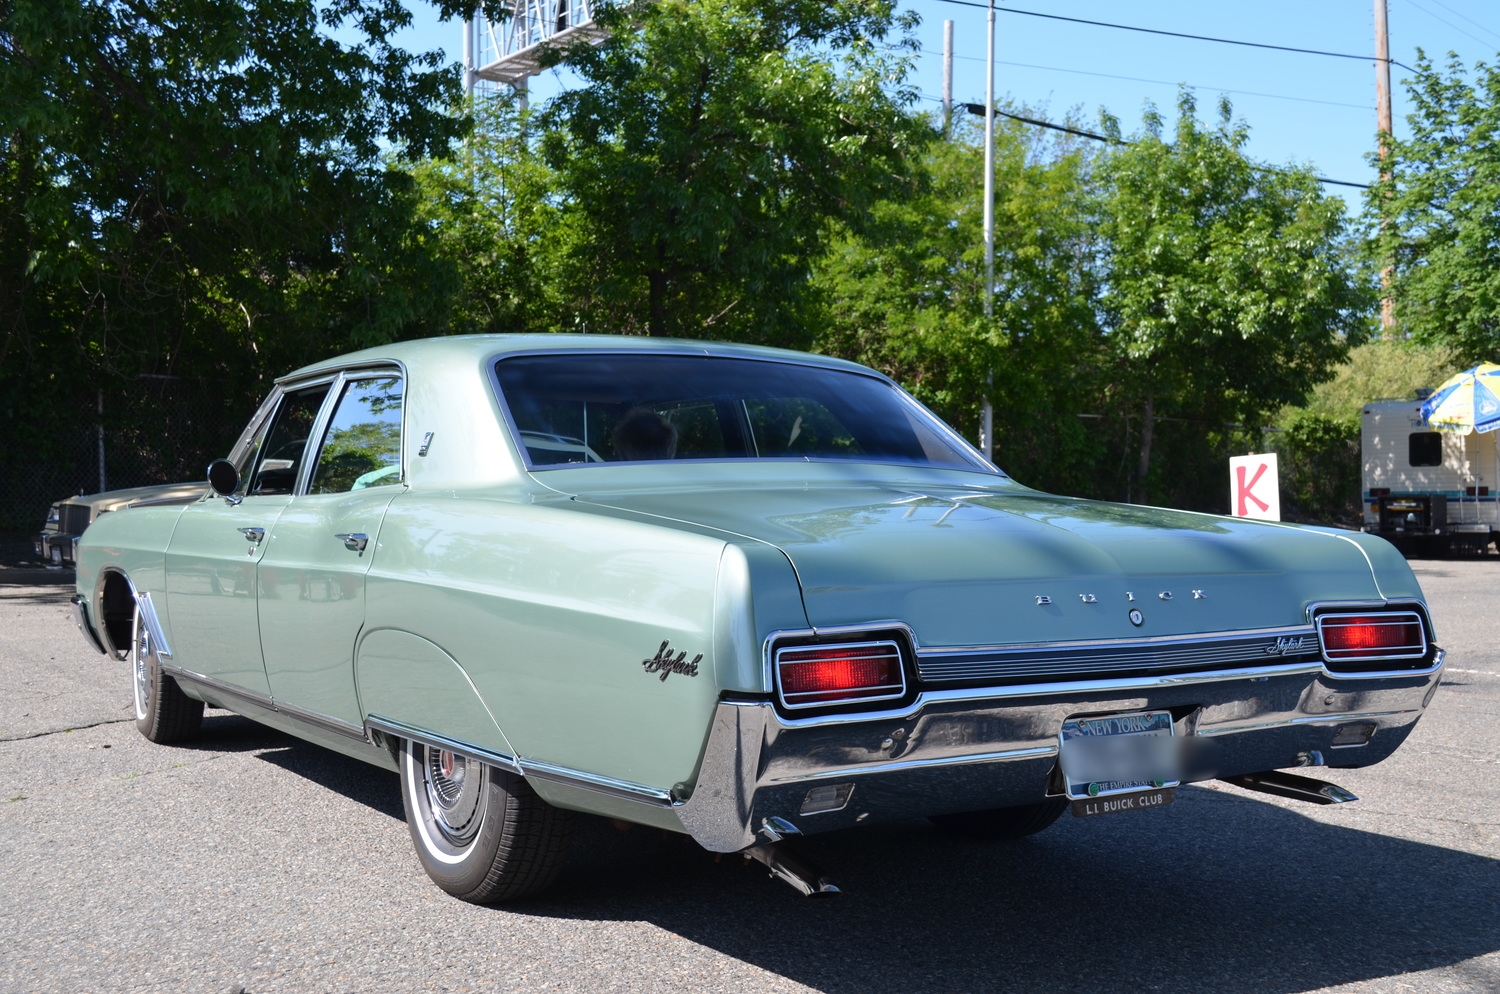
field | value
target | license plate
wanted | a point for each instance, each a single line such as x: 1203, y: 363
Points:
x: 57, y: 556
x: 1118, y: 754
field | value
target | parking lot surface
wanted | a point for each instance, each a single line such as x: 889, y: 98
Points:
x: 250, y: 861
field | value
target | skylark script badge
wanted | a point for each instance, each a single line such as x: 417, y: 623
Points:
x: 665, y: 663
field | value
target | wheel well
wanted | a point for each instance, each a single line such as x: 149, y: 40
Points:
x: 117, y: 611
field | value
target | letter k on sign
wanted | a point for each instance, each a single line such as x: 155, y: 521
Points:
x: 1254, y: 490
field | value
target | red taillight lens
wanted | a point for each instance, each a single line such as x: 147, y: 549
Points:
x: 828, y: 674
x: 1376, y: 636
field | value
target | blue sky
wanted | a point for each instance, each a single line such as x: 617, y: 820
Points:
x: 1300, y: 108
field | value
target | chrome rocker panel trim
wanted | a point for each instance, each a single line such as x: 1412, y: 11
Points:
x: 376, y: 726
x: 217, y: 690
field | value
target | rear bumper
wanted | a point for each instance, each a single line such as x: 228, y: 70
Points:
x: 58, y: 549
x: 951, y: 752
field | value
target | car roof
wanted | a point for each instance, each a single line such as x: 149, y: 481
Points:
x: 473, y: 348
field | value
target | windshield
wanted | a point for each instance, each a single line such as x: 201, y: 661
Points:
x: 576, y: 408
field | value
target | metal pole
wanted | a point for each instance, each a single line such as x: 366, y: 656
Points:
x: 1383, y: 125
x: 103, y: 485
x: 469, y: 57
x: 987, y: 440
x: 947, y: 77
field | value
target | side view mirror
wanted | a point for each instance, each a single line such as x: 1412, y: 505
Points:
x: 224, y: 479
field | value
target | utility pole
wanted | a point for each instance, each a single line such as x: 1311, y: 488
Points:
x: 987, y: 411
x: 469, y: 57
x: 947, y: 78
x: 1383, y: 125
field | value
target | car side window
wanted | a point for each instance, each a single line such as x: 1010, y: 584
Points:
x: 362, y: 446
x: 281, y: 454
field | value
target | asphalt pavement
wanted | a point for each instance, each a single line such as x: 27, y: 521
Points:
x: 252, y: 862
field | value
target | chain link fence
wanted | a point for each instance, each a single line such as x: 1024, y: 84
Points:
x: 161, y: 430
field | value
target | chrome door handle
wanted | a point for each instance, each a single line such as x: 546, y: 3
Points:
x: 253, y: 534
x: 353, y: 541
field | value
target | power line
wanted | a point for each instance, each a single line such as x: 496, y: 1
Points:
x: 1416, y: 6
x: 978, y: 110
x: 1465, y: 17
x: 1161, y: 82
x: 1177, y: 34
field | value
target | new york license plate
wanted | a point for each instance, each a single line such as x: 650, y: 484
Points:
x: 1119, y: 762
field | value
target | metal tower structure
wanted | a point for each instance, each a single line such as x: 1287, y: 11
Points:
x: 508, y: 51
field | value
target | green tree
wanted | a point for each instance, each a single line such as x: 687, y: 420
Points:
x: 1377, y: 370
x: 197, y: 190
x: 712, y: 147
x: 1227, y: 290
x: 492, y: 214
x: 905, y: 294
x: 1438, y: 211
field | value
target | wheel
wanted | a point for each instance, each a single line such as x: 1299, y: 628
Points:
x: 482, y: 834
x: 163, y: 713
x: 1003, y: 823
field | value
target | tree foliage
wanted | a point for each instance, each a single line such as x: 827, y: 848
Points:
x: 204, y: 192
x: 1438, y: 210
x: 197, y: 191
x: 1226, y: 292
x: 191, y: 166
x: 905, y: 294
x: 709, y: 151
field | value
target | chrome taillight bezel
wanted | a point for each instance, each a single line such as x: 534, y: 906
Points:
x: 878, y: 698
x: 1407, y: 658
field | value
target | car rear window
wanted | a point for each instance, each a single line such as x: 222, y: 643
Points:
x: 573, y: 409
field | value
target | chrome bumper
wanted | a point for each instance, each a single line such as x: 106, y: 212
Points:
x: 58, y: 549
x: 954, y: 753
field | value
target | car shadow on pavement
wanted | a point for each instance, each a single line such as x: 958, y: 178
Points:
x: 1219, y: 892
x: 377, y: 789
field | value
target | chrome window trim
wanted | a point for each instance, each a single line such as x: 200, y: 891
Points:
x: 981, y: 464
x: 898, y: 693
x: 330, y: 404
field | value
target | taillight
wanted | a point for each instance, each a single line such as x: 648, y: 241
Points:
x: 813, y: 675
x: 1371, y: 637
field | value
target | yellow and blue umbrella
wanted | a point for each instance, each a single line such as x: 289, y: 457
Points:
x: 1467, y: 401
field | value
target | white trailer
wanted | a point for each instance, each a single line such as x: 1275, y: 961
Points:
x: 1422, y: 487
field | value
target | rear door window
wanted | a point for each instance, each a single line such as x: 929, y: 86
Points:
x: 362, y: 445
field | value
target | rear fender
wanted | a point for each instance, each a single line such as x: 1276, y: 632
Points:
x: 404, y: 680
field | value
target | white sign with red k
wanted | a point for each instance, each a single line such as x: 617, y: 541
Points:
x: 1253, y: 488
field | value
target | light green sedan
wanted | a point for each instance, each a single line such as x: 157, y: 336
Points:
x: 734, y: 592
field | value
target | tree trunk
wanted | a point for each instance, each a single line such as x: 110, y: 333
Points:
x: 1143, y: 467
x: 656, y: 321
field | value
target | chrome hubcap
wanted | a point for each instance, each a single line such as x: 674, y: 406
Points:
x: 455, y: 794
